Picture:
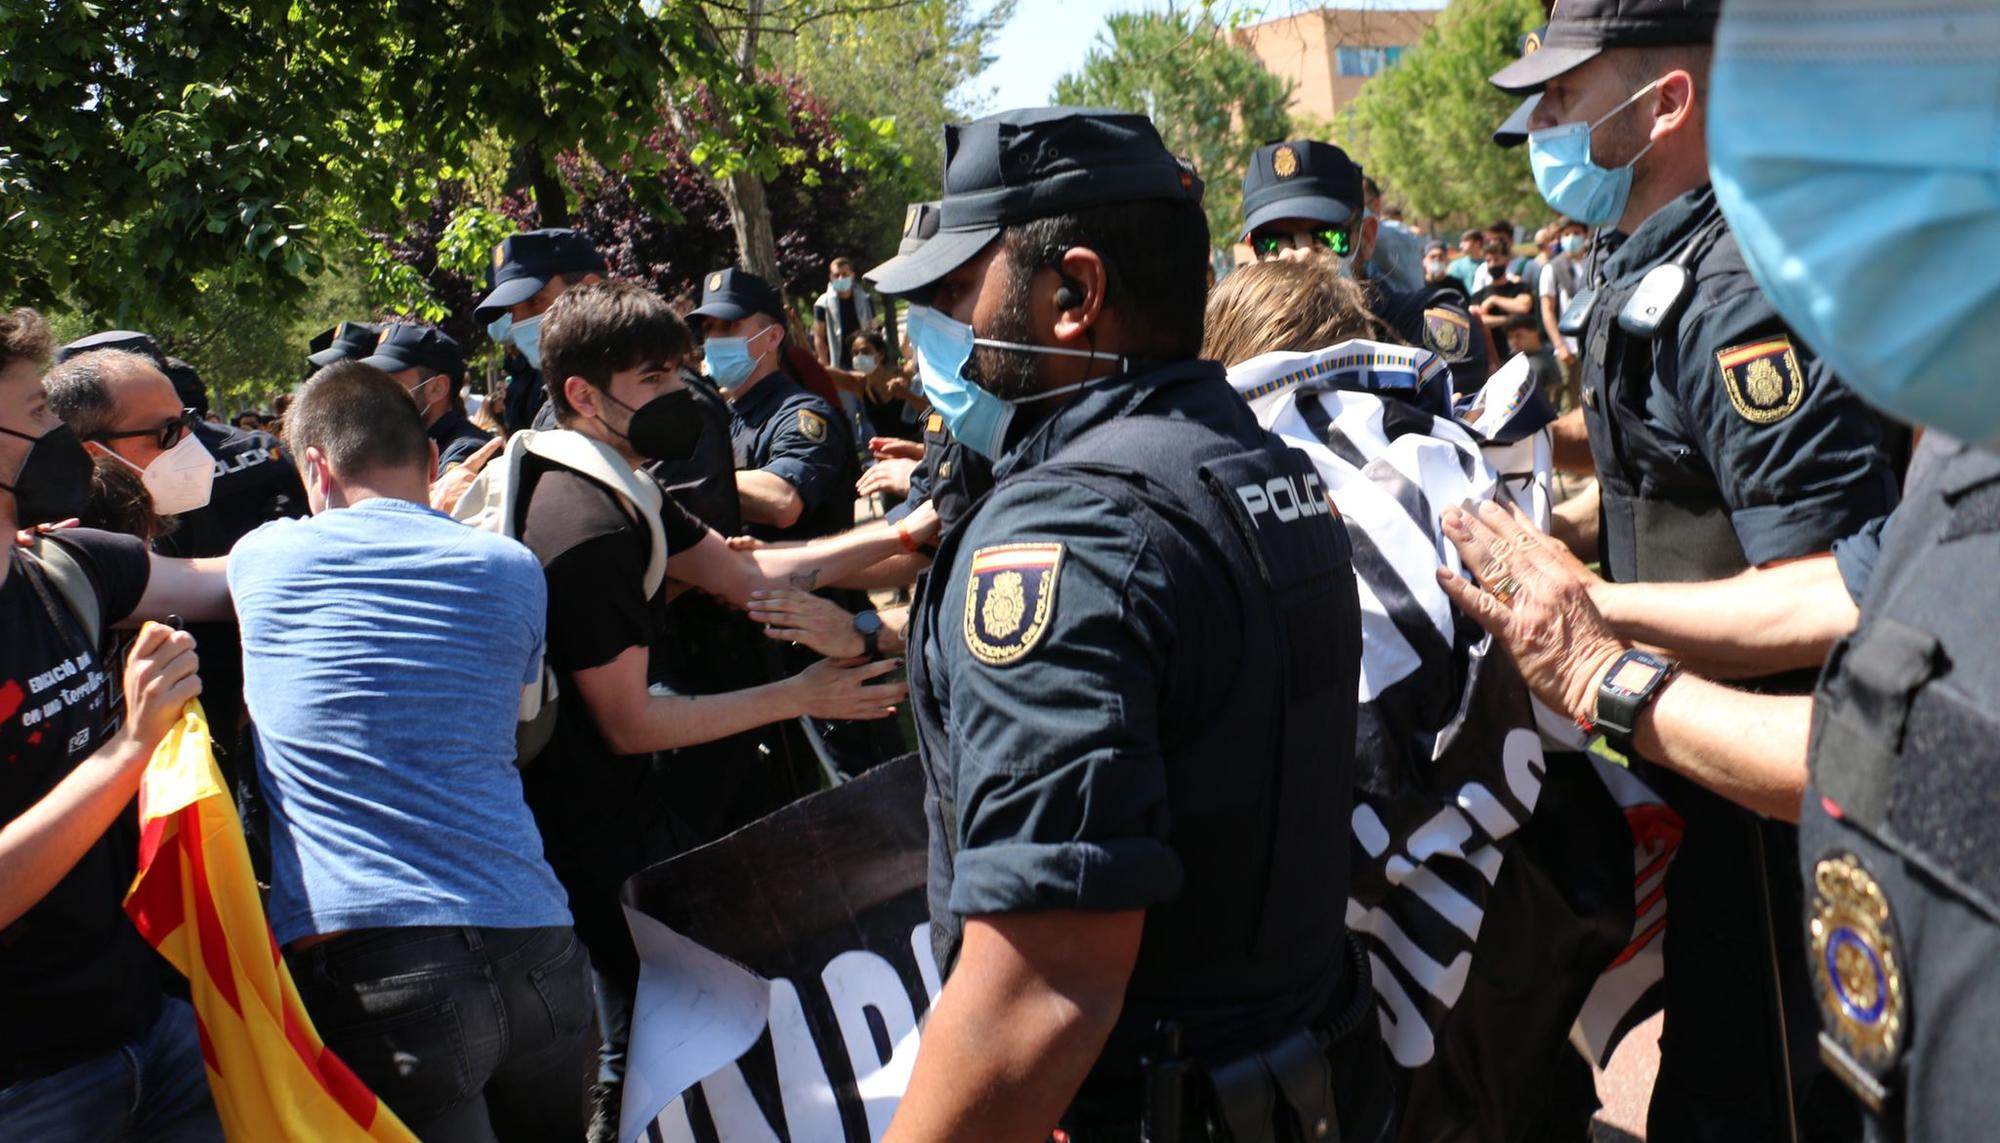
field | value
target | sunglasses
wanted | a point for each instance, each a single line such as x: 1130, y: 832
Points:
x: 167, y: 435
x: 1268, y: 244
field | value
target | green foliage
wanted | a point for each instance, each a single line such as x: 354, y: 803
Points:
x: 1424, y: 128
x: 1211, y: 99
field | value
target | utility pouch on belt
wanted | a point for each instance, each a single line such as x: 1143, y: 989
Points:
x: 1282, y: 1093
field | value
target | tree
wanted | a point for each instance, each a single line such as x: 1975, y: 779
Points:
x: 1424, y: 127
x: 1211, y: 99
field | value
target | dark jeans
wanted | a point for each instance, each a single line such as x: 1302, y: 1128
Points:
x: 466, y: 1033
x: 154, y: 1090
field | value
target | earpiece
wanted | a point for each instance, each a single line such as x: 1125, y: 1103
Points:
x: 1069, y: 295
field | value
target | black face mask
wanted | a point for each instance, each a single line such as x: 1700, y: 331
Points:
x: 54, y: 482
x: 664, y: 428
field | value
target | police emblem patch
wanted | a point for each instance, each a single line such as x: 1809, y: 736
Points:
x: 1449, y: 332
x: 499, y: 255
x: 812, y: 425
x: 1857, y: 974
x: 1762, y: 379
x: 1284, y: 162
x: 910, y: 217
x: 935, y: 424
x: 715, y: 281
x: 383, y: 337
x: 1008, y: 600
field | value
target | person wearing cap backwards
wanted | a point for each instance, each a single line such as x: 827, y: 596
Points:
x: 1305, y: 198
x: 425, y: 360
x: 1721, y: 442
x: 529, y: 272
x: 1132, y: 672
x: 795, y: 455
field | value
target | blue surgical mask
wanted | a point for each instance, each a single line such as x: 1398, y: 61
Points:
x: 975, y: 417
x: 1572, y: 243
x: 1887, y: 147
x: 1559, y: 156
x: 729, y: 359
x: 526, y: 336
x: 840, y: 284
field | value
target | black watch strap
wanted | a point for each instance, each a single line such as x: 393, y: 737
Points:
x: 1632, y: 683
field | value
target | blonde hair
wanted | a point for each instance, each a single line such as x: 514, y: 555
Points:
x: 1292, y: 305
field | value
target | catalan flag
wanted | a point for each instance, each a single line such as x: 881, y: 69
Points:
x: 196, y: 901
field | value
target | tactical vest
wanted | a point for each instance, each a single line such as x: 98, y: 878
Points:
x: 1900, y: 831
x: 1262, y: 832
x: 1659, y: 525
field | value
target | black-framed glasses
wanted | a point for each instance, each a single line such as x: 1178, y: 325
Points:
x: 1270, y: 243
x: 166, y: 436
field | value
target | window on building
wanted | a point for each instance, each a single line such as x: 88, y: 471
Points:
x: 1364, y: 62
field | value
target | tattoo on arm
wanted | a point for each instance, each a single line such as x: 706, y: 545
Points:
x: 804, y: 580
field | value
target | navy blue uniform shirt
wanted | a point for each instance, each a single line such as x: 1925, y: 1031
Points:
x: 782, y: 429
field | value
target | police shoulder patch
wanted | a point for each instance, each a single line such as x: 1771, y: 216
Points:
x: 1762, y: 379
x: 935, y: 424
x: 1009, y: 597
x: 1857, y: 968
x: 1448, y: 331
x: 812, y: 425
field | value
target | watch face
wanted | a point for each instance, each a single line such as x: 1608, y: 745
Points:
x: 868, y: 623
x: 1632, y: 675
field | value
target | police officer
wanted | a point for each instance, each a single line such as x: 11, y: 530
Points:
x: 425, y: 360
x: 529, y: 272
x: 1721, y: 442
x: 1305, y: 196
x: 1132, y: 670
x: 349, y: 340
x: 794, y: 455
x: 950, y: 477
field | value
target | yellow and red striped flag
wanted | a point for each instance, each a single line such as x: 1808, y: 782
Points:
x: 196, y: 901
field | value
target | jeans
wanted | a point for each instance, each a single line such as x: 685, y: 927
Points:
x: 467, y: 1034
x: 154, y: 1089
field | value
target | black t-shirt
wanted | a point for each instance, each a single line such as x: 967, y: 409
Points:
x: 76, y: 979
x: 592, y: 804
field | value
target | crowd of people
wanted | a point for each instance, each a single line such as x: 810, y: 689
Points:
x: 1094, y: 532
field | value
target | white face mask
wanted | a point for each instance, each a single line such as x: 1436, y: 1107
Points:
x: 864, y: 363
x: 179, y: 479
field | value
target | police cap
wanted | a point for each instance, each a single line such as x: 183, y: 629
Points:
x: 524, y: 263
x: 1580, y: 29
x: 123, y: 339
x: 404, y: 345
x: 1514, y: 131
x: 1018, y: 166
x: 1301, y: 179
x: 349, y: 339
x: 732, y: 294
x: 920, y: 225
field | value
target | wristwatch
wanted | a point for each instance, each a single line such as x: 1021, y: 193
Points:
x: 1634, y: 680
x: 868, y: 625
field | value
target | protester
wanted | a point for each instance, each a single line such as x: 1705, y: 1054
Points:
x: 1562, y: 280
x: 1068, y: 919
x: 426, y: 361
x: 1437, y: 265
x: 1285, y: 305
x: 428, y: 938
x: 1471, y: 253
x: 1721, y: 442
x: 529, y: 272
x: 1501, y: 296
x: 89, y: 1047
x: 841, y: 312
x: 1524, y: 336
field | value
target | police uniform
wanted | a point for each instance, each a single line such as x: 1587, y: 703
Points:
x: 1721, y: 443
x: 522, y: 265
x: 951, y: 478
x: 1897, y: 832
x: 432, y: 351
x: 1133, y: 668
x: 1318, y: 182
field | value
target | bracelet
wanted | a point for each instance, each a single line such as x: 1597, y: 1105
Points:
x: 908, y: 541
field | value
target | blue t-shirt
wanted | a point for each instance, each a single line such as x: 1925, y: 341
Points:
x: 384, y: 651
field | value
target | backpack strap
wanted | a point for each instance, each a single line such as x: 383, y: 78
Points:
x: 72, y: 582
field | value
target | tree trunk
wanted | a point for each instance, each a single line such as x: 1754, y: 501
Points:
x: 532, y: 167
x: 750, y: 214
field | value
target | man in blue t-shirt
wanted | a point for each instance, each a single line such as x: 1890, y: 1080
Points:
x: 385, y: 646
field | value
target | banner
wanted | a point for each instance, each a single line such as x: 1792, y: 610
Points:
x: 196, y: 901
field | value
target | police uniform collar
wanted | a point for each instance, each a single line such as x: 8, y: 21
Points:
x: 1100, y: 401
x: 1661, y: 236
x: 450, y: 424
x: 760, y: 403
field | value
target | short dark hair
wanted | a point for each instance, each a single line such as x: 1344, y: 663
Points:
x: 80, y: 389
x: 119, y: 502
x: 360, y: 418
x: 875, y: 340
x: 1501, y: 227
x: 1478, y: 236
x: 601, y: 328
x: 1155, y: 252
x: 1523, y: 321
x: 24, y: 336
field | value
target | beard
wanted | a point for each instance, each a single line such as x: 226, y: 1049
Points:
x: 1008, y: 373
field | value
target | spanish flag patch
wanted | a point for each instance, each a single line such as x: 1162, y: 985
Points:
x: 1762, y: 379
x: 1009, y: 597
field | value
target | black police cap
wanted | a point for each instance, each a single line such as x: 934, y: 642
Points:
x: 349, y: 339
x: 1580, y: 29
x: 524, y: 263
x: 732, y: 294
x: 1018, y: 166
x: 403, y: 345
x: 122, y: 339
x: 1514, y: 131
x: 1302, y: 178
x: 920, y: 225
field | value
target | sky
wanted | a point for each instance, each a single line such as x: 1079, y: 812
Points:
x: 1047, y: 39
